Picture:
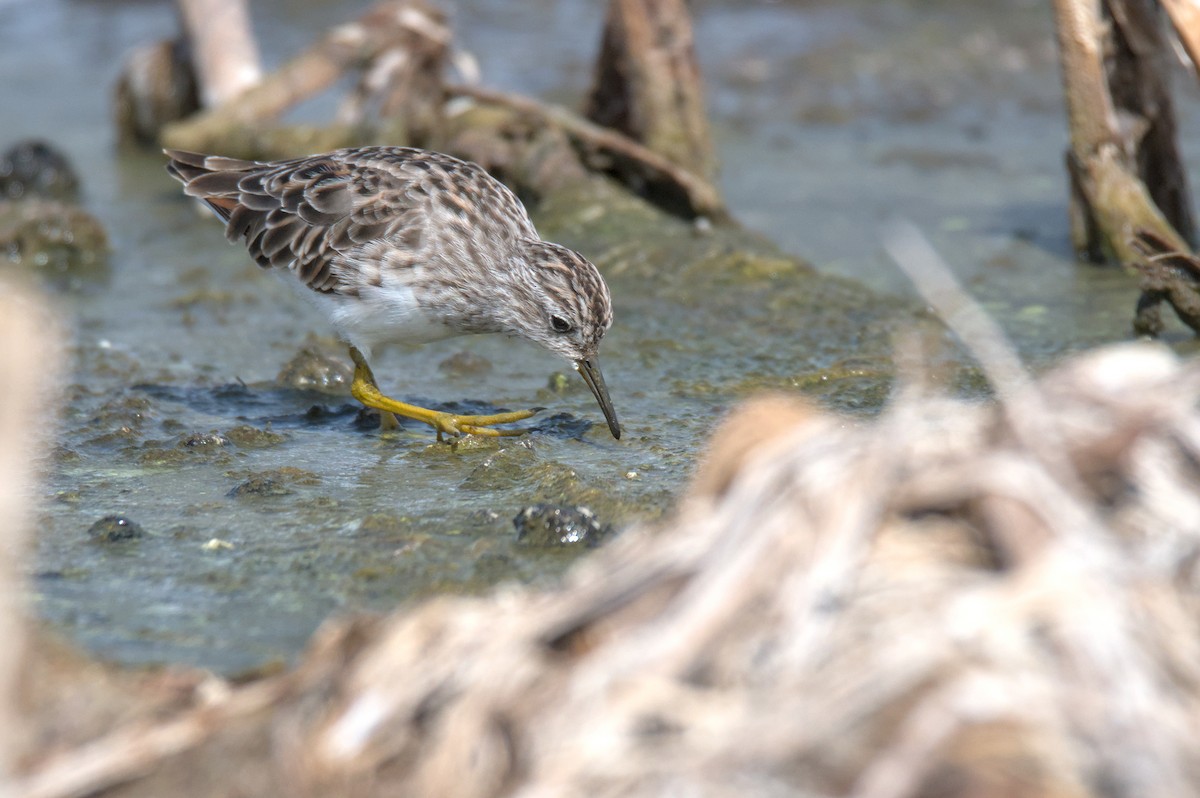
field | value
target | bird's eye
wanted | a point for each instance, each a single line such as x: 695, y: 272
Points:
x: 560, y: 324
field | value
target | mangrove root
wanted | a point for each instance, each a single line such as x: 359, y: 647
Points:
x: 1124, y: 165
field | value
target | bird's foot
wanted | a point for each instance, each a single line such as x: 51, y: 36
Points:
x: 366, y: 391
x: 455, y: 425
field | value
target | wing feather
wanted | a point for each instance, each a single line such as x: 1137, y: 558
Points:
x: 312, y: 215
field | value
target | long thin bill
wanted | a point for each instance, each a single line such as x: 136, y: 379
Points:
x: 590, y: 371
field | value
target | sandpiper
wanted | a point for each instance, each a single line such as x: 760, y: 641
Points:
x: 402, y: 245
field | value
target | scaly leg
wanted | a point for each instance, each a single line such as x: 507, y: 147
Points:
x: 365, y: 390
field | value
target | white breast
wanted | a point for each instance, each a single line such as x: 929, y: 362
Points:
x: 386, y: 314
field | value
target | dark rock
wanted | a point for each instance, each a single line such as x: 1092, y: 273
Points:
x: 314, y: 370
x: 34, y: 168
x: 274, y: 482
x: 62, y: 243
x: 114, y: 529
x: 205, y: 440
x: 250, y: 437
x: 260, y: 486
x: 558, y: 525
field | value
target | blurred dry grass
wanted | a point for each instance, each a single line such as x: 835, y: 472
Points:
x: 27, y: 360
x: 953, y: 600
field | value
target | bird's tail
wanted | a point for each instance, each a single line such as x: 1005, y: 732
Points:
x: 211, y: 178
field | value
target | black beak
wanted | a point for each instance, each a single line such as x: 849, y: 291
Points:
x: 589, y: 369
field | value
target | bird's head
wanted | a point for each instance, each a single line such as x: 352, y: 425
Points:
x: 567, y: 309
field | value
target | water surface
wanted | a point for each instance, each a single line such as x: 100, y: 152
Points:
x: 265, y: 509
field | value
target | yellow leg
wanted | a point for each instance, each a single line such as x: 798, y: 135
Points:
x: 366, y: 391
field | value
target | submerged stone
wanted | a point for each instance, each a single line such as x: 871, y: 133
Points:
x: 35, y: 168
x: 42, y: 230
x: 465, y: 364
x: 114, y: 529
x: 558, y: 525
x: 60, y: 242
x: 274, y: 482
x: 260, y: 486
x: 508, y: 467
x: 205, y: 440
x: 558, y: 383
x: 313, y: 370
x: 250, y: 437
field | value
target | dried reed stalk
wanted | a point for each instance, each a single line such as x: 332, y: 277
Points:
x: 956, y: 599
x: 28, y: 366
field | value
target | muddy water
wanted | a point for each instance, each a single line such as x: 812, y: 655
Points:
x: 264, y: 507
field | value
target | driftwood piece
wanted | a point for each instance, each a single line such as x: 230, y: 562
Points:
x: 1122, y: 129
x: 224, y: 52
x: 1166, y: 275
x: 1185, y: 18
x: 1139, y: 78
x: 698, y: 196
x: 404, y: 82
x: 156, y: 86
x: 383, y: 31
x: 400, y: 49
x: 162, y: 83
x: 647, y: 85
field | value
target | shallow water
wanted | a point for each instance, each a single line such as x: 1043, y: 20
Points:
x: 831, y: 117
